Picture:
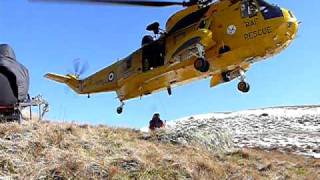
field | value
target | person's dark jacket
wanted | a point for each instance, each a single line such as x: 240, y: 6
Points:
x: 156, y: 123
x: 14, y: 77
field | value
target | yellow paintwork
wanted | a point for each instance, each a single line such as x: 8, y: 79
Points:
x: 255, y: 39
x: 178, y: 16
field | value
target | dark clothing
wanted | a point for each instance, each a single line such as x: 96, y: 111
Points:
x: 14, y: 77
x: 7, y: 93
x: 156, y: 123
x: 153, y: 55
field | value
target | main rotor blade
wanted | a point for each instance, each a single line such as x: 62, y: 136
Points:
x: 84, y: 68
x: 76, y: 66
x: 120, y: 2
x: 79, y: 67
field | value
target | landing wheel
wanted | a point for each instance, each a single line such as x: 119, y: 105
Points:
x: 201, y: 65
x: 243, y: 87
x: 119, y: 110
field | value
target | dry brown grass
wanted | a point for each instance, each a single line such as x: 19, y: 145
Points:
x: 47, y: 150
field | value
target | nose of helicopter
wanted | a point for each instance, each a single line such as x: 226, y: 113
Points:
x: 291, y: 23
x: 287, y: 31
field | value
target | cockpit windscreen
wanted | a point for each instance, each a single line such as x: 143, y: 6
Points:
x: 269, y: 11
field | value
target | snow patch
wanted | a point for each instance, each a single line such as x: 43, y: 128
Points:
x: 295, y: 129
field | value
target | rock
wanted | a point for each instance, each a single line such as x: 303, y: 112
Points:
x: 130, y: 165
x: 182, y: 141
x: 264, y: 115
x: 297, y: 165
x: 263, y: 167
x: 316, y: 150
x: 146, y: 136
x: 238, y: 152
x: 13, y: 137
x: 96, y: 170
x: 249, y: 178
x: 236, y: 176
x: 281, y: 163
x: 6, y: 177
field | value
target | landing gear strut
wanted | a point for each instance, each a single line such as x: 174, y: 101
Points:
x: 201, y: 64
x: 169, y: 91
x: 120, y: 108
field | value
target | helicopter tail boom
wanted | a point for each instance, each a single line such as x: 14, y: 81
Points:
x: 69, y: 80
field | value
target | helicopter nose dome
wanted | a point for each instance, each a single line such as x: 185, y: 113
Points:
x: 292, y: 24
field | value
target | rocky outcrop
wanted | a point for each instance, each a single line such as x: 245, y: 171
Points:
x: 289, y: 129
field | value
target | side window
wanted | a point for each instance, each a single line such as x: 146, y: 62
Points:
x: 189, y: 20
x: 204, y: 24
x: 249, y: 8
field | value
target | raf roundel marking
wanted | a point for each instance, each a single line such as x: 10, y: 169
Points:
x: 232, y: 29
x: 111, y: 77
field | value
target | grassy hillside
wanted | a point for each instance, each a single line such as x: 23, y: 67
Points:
x: 47, y: 150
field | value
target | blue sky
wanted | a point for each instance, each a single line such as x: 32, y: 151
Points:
x: 47, y: 37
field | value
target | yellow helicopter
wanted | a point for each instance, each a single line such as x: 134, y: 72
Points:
x: 217, y: 39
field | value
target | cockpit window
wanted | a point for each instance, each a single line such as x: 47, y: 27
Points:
x: 269, y: 11
x: 249, y: 8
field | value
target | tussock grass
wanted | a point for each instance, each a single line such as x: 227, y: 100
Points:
x: 48, y: 150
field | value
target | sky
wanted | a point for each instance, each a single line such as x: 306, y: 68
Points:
x: 48, y: 37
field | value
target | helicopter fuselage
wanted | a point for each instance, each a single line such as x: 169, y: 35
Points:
x: 233, y: 34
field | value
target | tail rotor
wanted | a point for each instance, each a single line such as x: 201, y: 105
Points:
x: 79, y: 67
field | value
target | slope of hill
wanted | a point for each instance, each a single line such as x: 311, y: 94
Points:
x: 49, y: 150
x: 290, y: 129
